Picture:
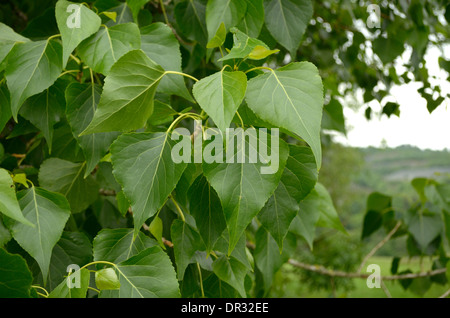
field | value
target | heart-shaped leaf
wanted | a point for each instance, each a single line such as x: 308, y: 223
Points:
x: 220, y: 95
x: 290, y: 97
x: 127, y: 99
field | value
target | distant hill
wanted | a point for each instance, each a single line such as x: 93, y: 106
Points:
x: 405, y: 162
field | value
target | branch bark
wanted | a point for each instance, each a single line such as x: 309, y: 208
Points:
x: 445, y: 295
x: 106, y: 192
x: 379, y: 245
x: 324, y: 271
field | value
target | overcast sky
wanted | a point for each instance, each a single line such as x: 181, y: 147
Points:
x: 415, y: 126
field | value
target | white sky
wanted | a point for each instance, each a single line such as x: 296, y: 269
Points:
x: 415, y: 126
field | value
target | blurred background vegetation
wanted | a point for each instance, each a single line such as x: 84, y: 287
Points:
x: 350, y: 175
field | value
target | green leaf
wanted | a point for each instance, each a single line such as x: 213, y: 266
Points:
x: 107, y: 214
x: 42, y: 25
x: 278, y: 213
x: 15, y: 276
x: 192, y: 171
x: 287, y: 20
x: 205, y: 207
x: 328, y: 215
x: 101, y: 50
x: 391, y: 109
x: 219, y: 37
x: 230, y: 12
x: 156, y: 229
x: 129, y: 90
x: 419, y: 185
x: 388, y: 49
x: 242, y: 188
x: 147, y: 275
x: 111, y: 15
x: 420, y: 286
x: 32, y: 68
x: 162, y: 113
x: 432, y: 103
x: 82, y: 101
x: 23, y: 127
x: 240, y: 252
x: 377, y: 206
x: 298, y: 180
x: 260, y: 52
x: 191, y: 16
x: 267, y: 256
x: 44, y: 110
x: 395, y: 264
x: 231, y: 271
x: 160, y: 44
x: 64, y: 145
x: 186, y: 241
x: 253, y: 19
x: 72, y: 248
x: 71, y: 33
x: 316, y: 209
x: 8, y: 38
x: 304, y: 224
x: 302, y: 171
x: 424, y: 226
x: 49, y: 212
x: 220, y: 95
x: 144, y: 167
x: 247, y: 47
x: 290, y: 97
x: 122, y: 203
x: 120, y: 14
x: 106, y: 279
x: 136, y: 6
x: 5, y: 236
x: 333, y: 117
x: 66, y: 177
x: 215, y: 288
x: 117, y: 245
x: 5, y: 106
x: 63, y: 290
x: 443, y: 63
x: 9, y: 205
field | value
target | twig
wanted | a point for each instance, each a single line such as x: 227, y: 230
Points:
x: 165, y: 241
x: 107, y: 193
x: 328, y: 272
x: 379, y: 245
x: 180, y: 212
x: 445, y: 295
x: 385, y: 289
x: 163, y: 9
x: 324, y: 271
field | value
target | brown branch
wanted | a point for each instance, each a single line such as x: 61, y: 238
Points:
x: 379, y: 245
x: 385, y: 289
x: 445, y: 295
x: 18, y: 155
x: 107, y: 193
x: 164, y: 240
x: 324, y: 271
x: 167, y: 242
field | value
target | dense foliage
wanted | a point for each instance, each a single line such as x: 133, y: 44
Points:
x: 92, y: 96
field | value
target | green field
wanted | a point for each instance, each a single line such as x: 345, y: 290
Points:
x: 288, y: 283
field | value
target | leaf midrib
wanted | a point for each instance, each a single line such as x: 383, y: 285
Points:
x: 133, y: 99
x: 37, y: 220
x: 74, y: 179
